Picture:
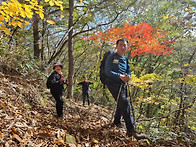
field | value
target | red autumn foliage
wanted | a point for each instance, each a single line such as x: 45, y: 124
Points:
x: 143, y: 39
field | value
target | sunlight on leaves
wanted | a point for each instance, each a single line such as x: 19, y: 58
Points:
x: 50, y: 22
x: 17, y: 13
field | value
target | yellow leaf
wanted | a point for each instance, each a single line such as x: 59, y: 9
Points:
x: 191, y: 25
x: 1, y: 17
x: 41, y: 15
x: 194, y: 128
x: 13, y: 23
x: 20, y: 24
x: 61, y: 7
x: 46, y: 1
x: 7, y: 31
x: 191, y: 7
x: 60, y: 142
x: 94, y: 141
x: 58, y: 3
x: 22, y: 13
x: 28, y: 13
x: 4, y: 3
x: 50, y: 21
x: 81, y: 1
x: 51, y: 3
x: 165, y: 17
x: 148, y: 142
x: 14, y: 7
x: 186, y: 9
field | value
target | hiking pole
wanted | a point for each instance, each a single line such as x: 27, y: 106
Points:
x: 115, y: 107
x: 131, y: 102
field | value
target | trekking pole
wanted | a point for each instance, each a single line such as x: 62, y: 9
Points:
x: 115, y: 107
x: 131, y: 102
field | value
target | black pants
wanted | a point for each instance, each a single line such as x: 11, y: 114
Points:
x: 59, y: 103
x: 86, y: 94
x: 123, y: 107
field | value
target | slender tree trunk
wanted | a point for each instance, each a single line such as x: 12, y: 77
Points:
x: 70, y: 50
x: 36, y: 36
x: 42, y: 41
x: 181, y: 94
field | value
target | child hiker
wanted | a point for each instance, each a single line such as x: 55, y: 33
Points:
x: 85, y: 89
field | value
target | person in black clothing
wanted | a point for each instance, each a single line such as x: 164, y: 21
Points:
x: 118, y: 73
x: 57, y: 88
x: 85, y: 89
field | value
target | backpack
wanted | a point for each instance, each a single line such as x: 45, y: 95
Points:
x: 102, y: 66
x: 49, y: 82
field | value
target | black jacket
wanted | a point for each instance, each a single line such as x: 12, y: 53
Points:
x: 85, y: 86
x: 57, y: 86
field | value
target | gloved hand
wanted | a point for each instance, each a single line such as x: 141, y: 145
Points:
x: 62, y: 79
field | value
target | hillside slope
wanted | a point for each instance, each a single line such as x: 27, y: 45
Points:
x: 27, y: 118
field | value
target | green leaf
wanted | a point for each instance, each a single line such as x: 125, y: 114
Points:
x: 148, y: 142
x: 70, y: 139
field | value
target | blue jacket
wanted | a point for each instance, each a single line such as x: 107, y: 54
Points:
x: 116, y: 65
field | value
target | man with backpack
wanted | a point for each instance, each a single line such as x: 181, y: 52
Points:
x: 117, y: 73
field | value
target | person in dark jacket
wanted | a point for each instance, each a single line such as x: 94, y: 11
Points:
x: 57, y: 88
x: 85, y: 89
x: 118, y: 73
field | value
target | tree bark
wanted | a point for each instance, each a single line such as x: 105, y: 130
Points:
x: 36, y: 36
x: 70, y: 50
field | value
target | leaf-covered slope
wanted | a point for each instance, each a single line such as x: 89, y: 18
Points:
x: 27, y: 117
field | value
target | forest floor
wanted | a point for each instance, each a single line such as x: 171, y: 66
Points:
x: 28, y: 118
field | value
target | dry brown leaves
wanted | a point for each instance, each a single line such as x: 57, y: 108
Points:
x: 26, y: 121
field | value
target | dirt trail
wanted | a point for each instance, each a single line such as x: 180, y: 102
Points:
x: 28, y: 118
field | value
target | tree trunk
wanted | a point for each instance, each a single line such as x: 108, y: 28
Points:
x: 42, y: 41
x: 70, y: 50
x: 36, y: 36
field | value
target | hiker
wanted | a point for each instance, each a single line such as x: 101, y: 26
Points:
x: 57, y: 88
x: 85, y: 89
x: 118, y: 73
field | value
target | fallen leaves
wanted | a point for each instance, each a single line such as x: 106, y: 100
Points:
x: 24, y: 121
x: 18, y: 138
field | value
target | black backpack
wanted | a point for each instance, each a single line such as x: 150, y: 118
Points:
x: 49, y: 82
x: 102, y: 66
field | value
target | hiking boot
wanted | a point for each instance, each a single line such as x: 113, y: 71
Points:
x: 62, y: 118
x: 117, y: 125
x: 136, y: 135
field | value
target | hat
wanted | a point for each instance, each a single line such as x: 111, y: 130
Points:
x: 84, y: 77
x: 57, y: 64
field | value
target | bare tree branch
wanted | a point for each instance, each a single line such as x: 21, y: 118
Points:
x: 63, y: 41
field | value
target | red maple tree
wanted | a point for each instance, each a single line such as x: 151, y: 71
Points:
x: 143, y: 39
